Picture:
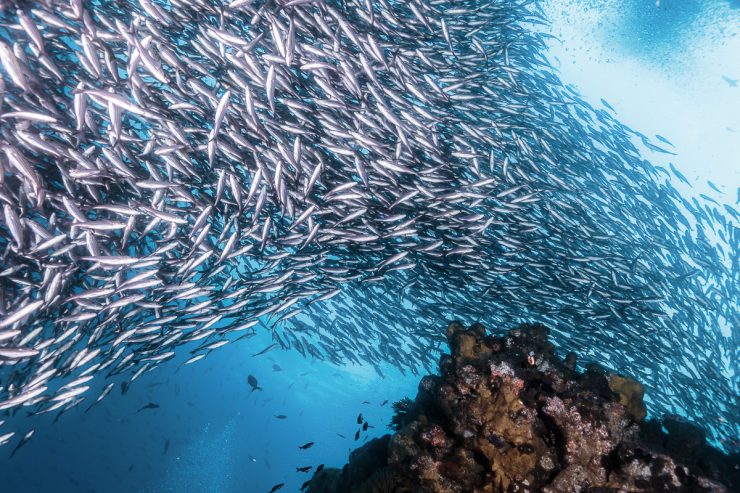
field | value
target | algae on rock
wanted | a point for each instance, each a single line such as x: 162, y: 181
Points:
x: 507, y: 415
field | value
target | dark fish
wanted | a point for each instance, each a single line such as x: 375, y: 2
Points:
x: 281, y: 416
x: 664, y: 140
x: 359, y: 419
x: 679, y: 175
x: 364, y: 426
x: 306, y: 446
x: 265, y: 350
x: 151, y: 405
x: 276, y: 367
x: 384, y: 402
x: 655, y: 148
x: 252, y: 381
x: 303, y: 469
x: 603, y: 101
x: 708, y: 198
x: 276, y: 487
x: 714, y: 187
x: 166, y: 446
x: 22, y: 442
x: 59, y: 415
x: 357, y: 435
x: 319, y: 468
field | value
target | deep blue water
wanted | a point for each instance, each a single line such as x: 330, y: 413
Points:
x: 222, y: 436
x: 211, y: 432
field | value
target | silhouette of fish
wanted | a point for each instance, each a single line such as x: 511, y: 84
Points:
x: 150, y: 405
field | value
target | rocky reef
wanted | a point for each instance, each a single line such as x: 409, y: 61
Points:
x: 508, y: 415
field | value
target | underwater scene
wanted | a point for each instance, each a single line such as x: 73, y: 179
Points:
x: 392, y: 246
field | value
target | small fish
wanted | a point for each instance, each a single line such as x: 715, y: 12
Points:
x: 655, y: 148
x: 679, y: 175
x: 604, y: 102
x: 281, y: 416
x: 306, y: 446
x: 276, y: 487
x: 166, y: 446
x: 357, y: 435
x: 151, y: 405
x: 303, y: 469
x: 364, y: 426
x: 359, y: 419
x: 708, y: 198
x: 21, y: 313
x: 268, y: 348
x: 713, y: 187
x: 730, y: 82
x: 664, y: 140
x: 384, y: 402
x: 252, y: 381
x: 23, y: 441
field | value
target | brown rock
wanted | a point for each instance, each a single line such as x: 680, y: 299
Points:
x: 506, y: 415
x: 630, y: 394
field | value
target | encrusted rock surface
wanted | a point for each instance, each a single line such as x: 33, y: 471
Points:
x: 507, y: 415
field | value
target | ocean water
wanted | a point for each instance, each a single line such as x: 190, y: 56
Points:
x: 669, y: 68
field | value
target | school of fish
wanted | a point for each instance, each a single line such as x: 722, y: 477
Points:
x: 177, y: 172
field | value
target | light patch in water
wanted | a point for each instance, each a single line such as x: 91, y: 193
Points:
x: 687, y: 101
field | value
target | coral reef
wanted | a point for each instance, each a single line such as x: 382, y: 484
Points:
x: 507, y: 415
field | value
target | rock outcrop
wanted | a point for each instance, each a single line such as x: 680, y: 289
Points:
x: 507, y: 415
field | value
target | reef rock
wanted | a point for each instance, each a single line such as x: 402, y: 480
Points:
x: 507, y: 415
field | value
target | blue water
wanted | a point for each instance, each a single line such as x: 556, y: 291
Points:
x: 661, y: 67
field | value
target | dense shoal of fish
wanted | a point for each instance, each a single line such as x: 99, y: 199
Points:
x: 177, y: 172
